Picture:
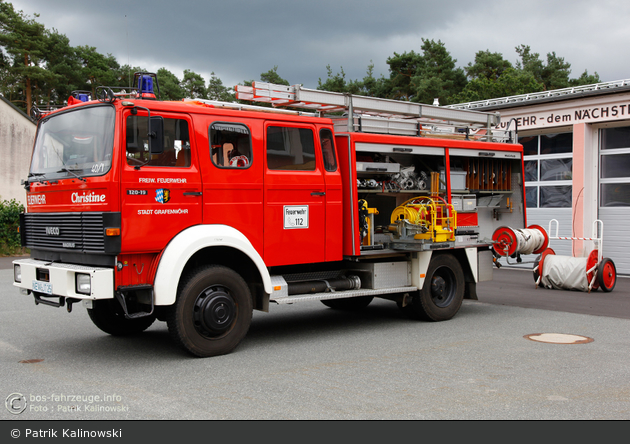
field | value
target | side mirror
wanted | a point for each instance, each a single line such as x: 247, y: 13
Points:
x: 156, y: 135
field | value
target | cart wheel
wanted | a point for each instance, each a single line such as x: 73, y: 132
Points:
x: 590, y: 263
x: 607, y: 274
x: 538, y: 265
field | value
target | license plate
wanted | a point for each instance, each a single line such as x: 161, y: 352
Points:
x: 42, y: 287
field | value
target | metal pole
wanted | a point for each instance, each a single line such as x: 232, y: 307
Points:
x: 350, y: 112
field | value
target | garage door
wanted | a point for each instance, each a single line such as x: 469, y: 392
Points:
x: 614, y: 195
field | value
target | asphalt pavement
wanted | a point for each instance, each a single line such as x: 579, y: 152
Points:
x: 308, y: 362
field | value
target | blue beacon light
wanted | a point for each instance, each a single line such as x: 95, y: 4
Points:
x: 145, y: 87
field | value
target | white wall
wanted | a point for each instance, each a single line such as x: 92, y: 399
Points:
x: 17, y: 133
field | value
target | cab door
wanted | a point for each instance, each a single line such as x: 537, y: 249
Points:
x: 294, y: 195
x: 161, y: 193
x: 334, y: 196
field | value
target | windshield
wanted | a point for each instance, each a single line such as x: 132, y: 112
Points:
x: 75, y: 143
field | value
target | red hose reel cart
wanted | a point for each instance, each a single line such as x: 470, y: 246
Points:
x: 554, y: 271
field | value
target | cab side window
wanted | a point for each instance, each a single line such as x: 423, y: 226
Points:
x: 230, y: 145
x: 290, y: 148
x: 328, y: 150
x: 176, y: 143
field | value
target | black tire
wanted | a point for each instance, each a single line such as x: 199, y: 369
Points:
x: 212, y: 313
x: 348, y: 304
x: 108, y: 315
x: 442, y: 294
x: 607, y: 275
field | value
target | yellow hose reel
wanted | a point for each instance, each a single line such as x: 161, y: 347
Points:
x: 425, y: 218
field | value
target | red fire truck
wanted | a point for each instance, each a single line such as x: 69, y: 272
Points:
x: 197, y: 212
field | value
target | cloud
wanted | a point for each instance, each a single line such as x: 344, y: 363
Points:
x: 240, y: 39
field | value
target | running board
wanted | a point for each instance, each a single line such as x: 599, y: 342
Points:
x: 340, y: 295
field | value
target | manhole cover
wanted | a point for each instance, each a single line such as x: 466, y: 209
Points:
x: 558, y: 338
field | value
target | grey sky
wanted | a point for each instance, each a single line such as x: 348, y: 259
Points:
x: 240, y: 39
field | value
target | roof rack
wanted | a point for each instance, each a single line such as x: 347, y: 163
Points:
x: 373, y: 114
x: 551, y: 94
x: 146, y: 86
x: 240, y: 106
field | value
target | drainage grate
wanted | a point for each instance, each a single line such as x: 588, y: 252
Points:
x: 558, y: 338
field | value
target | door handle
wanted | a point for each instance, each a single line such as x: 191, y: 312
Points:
x: 318, y: 193
x: 192, y: 193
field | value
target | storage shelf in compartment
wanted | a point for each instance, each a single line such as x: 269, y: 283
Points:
x: 376, y: 191
x: 377, y: 167
x: 493, y: 192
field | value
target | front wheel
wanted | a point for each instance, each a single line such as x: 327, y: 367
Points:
x: 212, y: 313
x: 108, y: 315
x: 442, y: 294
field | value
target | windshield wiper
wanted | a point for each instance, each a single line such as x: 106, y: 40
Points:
x: 68, y: 170
x: 41, y: 178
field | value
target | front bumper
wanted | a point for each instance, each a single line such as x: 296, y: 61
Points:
x: 62, y: 279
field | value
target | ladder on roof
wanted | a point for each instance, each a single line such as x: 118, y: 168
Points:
x: 378, y: 115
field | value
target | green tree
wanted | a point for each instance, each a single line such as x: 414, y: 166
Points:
x: 217, y: 91
x: 368, y: 86
x: 9, y: 222
x: 511, y: 82
x: 436, y: 75
x: 585, y: 79
x: 124, y: 77
x: 488, y: 65
x: 194, y: 85
x: 170, y: 87
x: 272, y: 76
x: 63, y: 63
x: 492, y: 76
x: 24, y: 40
x: 552, y: 75
x: 402, y: 68
x: 97, y: 69
x: 334, y: 82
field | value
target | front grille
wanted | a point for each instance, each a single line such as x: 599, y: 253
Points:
x: 73, y: 232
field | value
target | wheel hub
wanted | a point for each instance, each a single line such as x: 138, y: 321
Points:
x: 442, y: 290
x: 214, y: 311
x: 438, y: 287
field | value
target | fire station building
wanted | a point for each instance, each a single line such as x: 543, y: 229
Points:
x: 576, y: 145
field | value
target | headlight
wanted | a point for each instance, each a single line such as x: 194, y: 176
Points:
x: 17, y: 273
x: 83, y: 283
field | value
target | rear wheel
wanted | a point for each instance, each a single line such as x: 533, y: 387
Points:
x: 108, y: 315
x: 348, y: 304
x: 607, y: 274
x: 442, y: 294
x: 212, y: 313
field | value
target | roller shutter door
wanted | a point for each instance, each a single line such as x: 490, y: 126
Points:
x: 617, y: 236
x: 614, y: 194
